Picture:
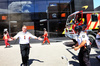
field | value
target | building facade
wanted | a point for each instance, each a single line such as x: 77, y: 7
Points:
x: 37, y: 14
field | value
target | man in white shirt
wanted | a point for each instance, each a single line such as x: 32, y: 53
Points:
x: 24, y: 43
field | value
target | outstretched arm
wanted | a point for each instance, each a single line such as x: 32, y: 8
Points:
x: 34, y: 37
x: 40, y: 39
x: 11, y: 39
x: 15, y: 37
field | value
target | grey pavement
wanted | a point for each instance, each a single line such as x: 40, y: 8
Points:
x: 54, y: 54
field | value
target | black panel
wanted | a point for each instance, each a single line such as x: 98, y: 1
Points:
x: 78, y: 4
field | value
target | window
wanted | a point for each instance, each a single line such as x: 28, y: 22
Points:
x: 70, y: 19
x: 3, y: 8
x: 94, y: 18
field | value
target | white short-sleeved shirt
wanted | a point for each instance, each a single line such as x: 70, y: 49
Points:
x: 81, y: 37
x: 24, y: 37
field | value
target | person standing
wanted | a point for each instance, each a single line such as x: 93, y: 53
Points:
x: 6, y: 37
x: 98, y: 42
x: 24, y: 44
x: 45, y: 36
x: 83, y: 44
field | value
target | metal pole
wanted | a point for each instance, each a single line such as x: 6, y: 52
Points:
x: 47, y: 17
x: 48, y: 23
x: 9, y: 29
x: 70, y: 7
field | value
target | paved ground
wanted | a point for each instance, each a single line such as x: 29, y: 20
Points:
x: 45, y: 55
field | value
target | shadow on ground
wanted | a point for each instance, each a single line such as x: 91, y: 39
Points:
x: 73, y: 63
x: 32, y: 60
x: 93, y: 60
x: 69, y: 44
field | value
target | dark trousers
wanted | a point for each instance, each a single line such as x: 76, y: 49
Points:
x: 84, y: 56
x: 24, y: 48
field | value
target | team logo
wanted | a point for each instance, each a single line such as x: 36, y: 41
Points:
x: 83, y: 36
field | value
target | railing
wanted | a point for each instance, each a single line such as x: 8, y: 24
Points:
x: 50, y: 34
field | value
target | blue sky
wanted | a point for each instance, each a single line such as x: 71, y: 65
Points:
x: 96, y: 3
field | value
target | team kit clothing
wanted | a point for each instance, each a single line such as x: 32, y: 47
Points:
x: 5, y: 38
x: 24, y: 44
x: 46, y: 37
x: 84, y: 52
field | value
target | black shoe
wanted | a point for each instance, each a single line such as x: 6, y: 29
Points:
x: 49, y: 43
x: 42, y: 44
x: 9, y: 46
x: 26, y: 64
x: 6, y: 47
x: 97, y: 58
x: 22, y: 64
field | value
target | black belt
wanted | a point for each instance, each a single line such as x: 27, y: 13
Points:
x: 97, y: 38
x: 25, y: 44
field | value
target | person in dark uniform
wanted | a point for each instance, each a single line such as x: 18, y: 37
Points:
x: 83, y: 44
x: 24, y: 43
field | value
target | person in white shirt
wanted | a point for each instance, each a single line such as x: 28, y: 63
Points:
x: 24, y: 44
x: 98, y: 42
x: 83, y: 44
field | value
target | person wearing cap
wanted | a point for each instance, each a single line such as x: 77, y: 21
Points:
x: 84, y: 45
x: 45, y: 36
x: 6, y: 38
x: 24, y: 36
x: 98, y: 42
x: 84, y: 28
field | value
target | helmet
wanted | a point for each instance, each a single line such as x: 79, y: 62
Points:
x: 44, y: 28
x: 78, y: 28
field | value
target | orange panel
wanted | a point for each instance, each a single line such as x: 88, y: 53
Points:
x: 30, y: 27
x: 63, y: 15
x: 4, y: 17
